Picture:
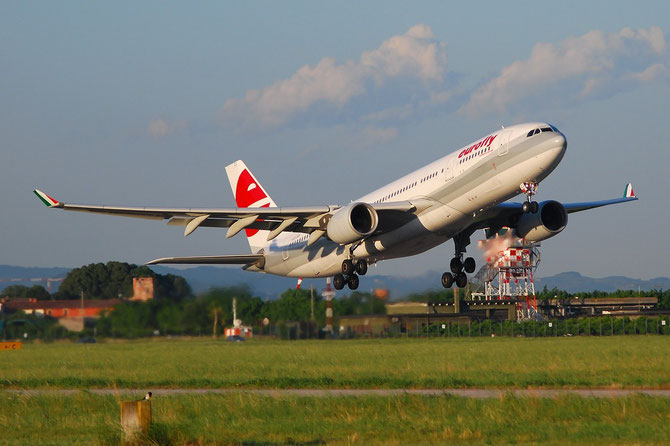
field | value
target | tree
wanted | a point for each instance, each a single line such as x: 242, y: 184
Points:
x: 36, y: 292
x: 115, y: 279
x: 292, y: 305
x: 358, y: 303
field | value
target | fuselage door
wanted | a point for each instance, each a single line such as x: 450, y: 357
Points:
x: 503, y: 144
x: 449, y: 169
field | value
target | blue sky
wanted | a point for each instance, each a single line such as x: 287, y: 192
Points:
x: 145, y: 103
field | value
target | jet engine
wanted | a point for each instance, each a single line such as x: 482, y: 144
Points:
x: 550, y: 219
x: 351, y: 223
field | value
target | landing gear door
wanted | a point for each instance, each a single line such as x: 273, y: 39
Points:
x: 503, y: 144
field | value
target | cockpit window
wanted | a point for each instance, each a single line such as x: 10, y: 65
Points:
x: 547, y: 129
x: 537, y: 131
x: 530, y: 134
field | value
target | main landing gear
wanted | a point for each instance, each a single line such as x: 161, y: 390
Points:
x: 529, y: 188
x: 458, y: 266
x: 349, y: 276
x: 458, y: 269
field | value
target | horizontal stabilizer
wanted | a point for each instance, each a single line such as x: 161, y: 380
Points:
x: 242, y: 259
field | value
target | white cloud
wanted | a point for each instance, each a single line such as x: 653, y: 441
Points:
x: 595, y: 63
x: 415, y: 55
x: 373, y: 135
x: 391, y: 113
x: 160, y: 128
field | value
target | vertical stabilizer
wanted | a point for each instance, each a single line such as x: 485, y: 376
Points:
x: 629, y: 193
x: 249, y: 193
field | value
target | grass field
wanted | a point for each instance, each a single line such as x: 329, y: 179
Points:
x: 250, y: 419
x: 256, y: 420
x: 619, y: 361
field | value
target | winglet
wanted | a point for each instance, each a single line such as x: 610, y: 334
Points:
x: 629, y: 193
x: 47, y: 200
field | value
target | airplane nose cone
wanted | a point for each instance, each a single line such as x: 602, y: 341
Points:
x: 561, y: 142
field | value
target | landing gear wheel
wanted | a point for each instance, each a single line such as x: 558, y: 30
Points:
x: 529, y: 188
x: 347, y: 267
x: 338, y: 281
x: 461, y: 280
x: 353, y: 282
x: 469, y: 265
x: 361, y: 267
x: 455, y: 265
x: 447, y: 280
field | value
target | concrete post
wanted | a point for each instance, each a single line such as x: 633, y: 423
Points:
x: 135, y: 418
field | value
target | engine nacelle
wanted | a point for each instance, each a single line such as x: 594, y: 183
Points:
x: 550, y: 219
x: 351, y: 223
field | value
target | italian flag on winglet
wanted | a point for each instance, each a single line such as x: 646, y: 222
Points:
x: 50, y: 202
x: 629, y: 191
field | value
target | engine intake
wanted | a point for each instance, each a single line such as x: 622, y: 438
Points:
x: 550, y: 219
x: 352, y: 223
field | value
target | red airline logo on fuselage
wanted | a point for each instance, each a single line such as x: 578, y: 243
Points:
x: 486, y: 142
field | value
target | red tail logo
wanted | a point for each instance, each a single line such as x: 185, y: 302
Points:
x: 247, y: 193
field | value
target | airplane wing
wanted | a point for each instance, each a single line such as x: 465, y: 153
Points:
x: 505, y: 214
x: 304, y: 219
x: 242, y: 259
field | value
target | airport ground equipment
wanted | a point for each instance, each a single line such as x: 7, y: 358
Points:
x: 237, y: 332
x: 509, y: 275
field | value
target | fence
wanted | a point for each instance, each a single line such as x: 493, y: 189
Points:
x: 587, y: 326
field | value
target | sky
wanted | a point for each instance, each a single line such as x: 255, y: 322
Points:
x: 145, y: 103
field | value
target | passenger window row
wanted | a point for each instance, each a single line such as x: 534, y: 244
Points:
x: 469, y: 157
x: 393, y: 194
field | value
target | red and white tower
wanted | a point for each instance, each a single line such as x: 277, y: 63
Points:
x: 509, y: 275
x: 328, y: 293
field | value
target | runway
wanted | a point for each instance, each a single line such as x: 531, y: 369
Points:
x: 322, y: 393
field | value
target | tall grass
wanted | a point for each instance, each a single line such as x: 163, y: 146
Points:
x: 398, y: 420
x: 635, y: 361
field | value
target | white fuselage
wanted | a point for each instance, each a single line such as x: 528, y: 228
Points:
x: 448, y: 193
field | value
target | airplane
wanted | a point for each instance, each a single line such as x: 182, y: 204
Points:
x: 450, y: 198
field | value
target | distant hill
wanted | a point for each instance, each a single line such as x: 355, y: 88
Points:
x: 574, y: 282
x: 20, y: 272
x: 202, y: 278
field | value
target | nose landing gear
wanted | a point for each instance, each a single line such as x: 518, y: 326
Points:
x: 529, y: 188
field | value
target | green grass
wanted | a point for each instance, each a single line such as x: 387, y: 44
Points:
x: 254, y: 420
x: 620, y: 361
